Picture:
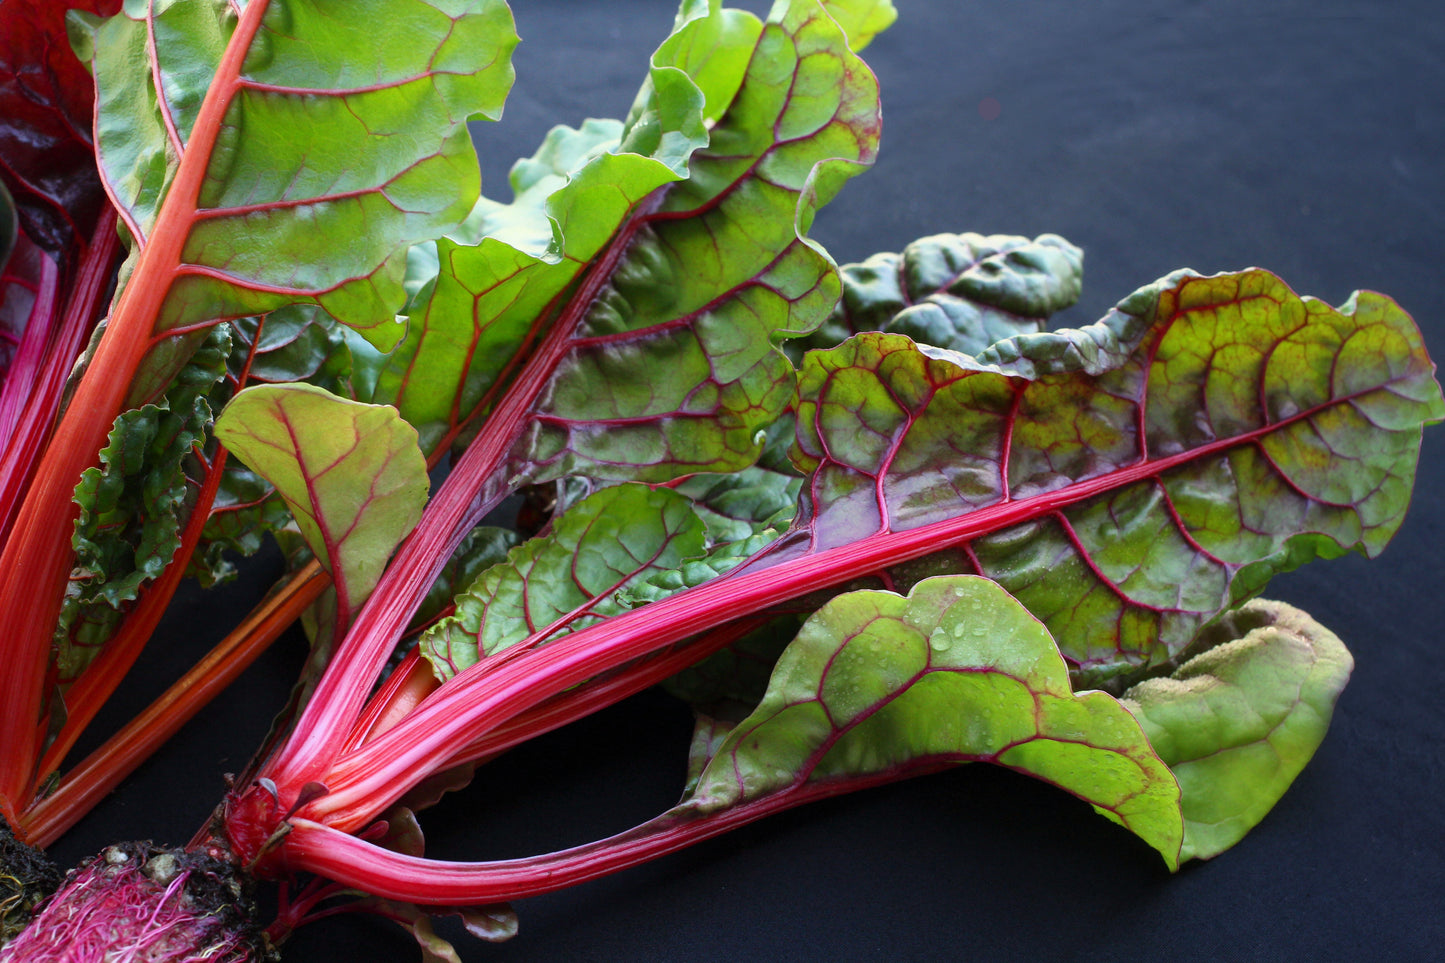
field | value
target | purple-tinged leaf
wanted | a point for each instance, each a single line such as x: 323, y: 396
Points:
x: 1130, y: 480
x: 477, y: 307
x: 674, y: 369
x: 669, y: 365
x: 351, y: 474
x: 1238, y: 722
x: 877, y: 686
x: 295, y: 343
x: 46, y: 97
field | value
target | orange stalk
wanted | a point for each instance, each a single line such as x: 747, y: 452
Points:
x: 104, y: 769
x: 36, y: 560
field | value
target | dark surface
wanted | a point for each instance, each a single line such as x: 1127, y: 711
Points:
x: 1305, y: 137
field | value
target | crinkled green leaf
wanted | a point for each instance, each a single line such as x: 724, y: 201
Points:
x: 501, y: 270
x: 340, y: 144
x: 133, y: 505
x: 743, y: 503
x: 740, y: 504
x: 351, y: 474
x: 561, y: 581
x: 710, y: 46
x: 675, y: 369
x: 1130, y: 480
x: 957, y: 291
x: 704, y: 568
x: 878, y: 684
x: 1238, y: 722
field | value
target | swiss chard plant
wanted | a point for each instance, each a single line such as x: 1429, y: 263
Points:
x: 870, y: 523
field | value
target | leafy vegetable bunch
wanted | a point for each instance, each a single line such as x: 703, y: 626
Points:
x: 870, y: 523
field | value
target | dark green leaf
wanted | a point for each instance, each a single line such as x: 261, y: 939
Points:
x: 133, y: 505
x: 561, y: 581
x: 957, y: 291
x: 1130, y: 480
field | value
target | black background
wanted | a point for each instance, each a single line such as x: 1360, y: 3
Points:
x: 1306, y: 137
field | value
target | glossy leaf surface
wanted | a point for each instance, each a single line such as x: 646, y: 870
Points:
x: 676, y: 370
x: 957, y: 291
x: 1238, y: 722
x: 350, y: 473
x: 1129, y: 480
x: 295, y: 343
x: 957, y: 671
x: 862, y: 20
x: 498, y: 274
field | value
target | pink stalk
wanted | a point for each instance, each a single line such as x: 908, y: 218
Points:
x: 364, y: 782
x: 474, y: 487
x: 336, y: 855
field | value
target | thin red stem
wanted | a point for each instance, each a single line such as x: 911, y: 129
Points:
x: 319, y: 848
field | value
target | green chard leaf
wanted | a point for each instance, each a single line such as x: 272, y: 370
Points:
x: 350, y: 473
x: 295, y: 343
x: 284, y: 213
x: 957, y: 291
x: 862, y: 20
x: 662, y: 360
x: 133, y: 506
x: 1122, y: 480
x: 560, y: 582
x: 484, y: 547
x: 1238, y: 722
x: 877, y: 686
x: 502, y: 269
